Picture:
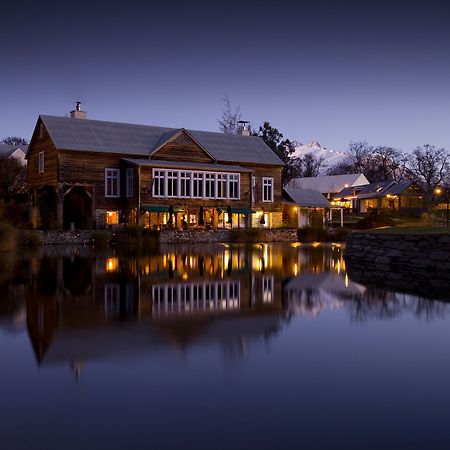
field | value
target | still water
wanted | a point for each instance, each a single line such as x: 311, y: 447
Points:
x: 216, y: 347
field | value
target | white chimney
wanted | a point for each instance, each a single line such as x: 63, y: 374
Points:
x: 243, y: 128
x: 77, y: 113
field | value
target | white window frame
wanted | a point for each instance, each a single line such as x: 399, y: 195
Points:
x: 129, y: 188
x: 157, y: 175
x: 267, y: 182
x: 175, y: 178
x: 210, y: 178
x: 110, y: 175
x: 221, y: 178
x: 199, y: 178
x: 185, y: 178
x: 41, y: 162
x: 253, y: 189
x: 234, y: 178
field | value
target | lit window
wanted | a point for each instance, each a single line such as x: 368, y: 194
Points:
x: 267, y: 189
x: 197, y: 185
x: 210, y: 184
x: 221, y: 185
x: 41, y: 162
x: 158, y: 183
x: 130, y: 183
x: 172, y: 183
x: 233, y: 186
x: 112, y: 183
x: 185, y: 184
x: 112, y: 217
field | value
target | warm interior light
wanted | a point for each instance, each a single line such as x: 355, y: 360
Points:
x: 112, y: 264
x: 112, y: 217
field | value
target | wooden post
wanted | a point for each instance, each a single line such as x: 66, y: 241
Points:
x: 342, y: 217
x: 94, y: 215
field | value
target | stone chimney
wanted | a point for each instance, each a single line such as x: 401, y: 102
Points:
x: 77, y: 113
x: 243, y: 128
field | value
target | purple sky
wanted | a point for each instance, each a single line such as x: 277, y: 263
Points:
x: 322, y: 71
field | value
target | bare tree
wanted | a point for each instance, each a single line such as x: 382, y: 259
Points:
x: 230, y: 117
x: 13, y: 178
x: 430, y: 165
x: 309, y: 165
x: 14, y: 140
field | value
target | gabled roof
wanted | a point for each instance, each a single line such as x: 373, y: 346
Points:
x: 329, y: 183
x: 375, y: 189
x: 129, y: 139
x: 307, y: 198
x: 398, y: 188
x: 8, y: 150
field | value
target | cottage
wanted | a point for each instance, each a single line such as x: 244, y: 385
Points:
x: 329, y: 185
x: 14, y: 151
x: 384, y: 196
x: 93, y: 174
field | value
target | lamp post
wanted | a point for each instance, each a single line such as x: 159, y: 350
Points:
x: 446, y: 197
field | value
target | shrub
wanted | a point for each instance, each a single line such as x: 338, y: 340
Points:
x: 29, y: 239
x: 339, y: 234
x: 312, y: 234
x: 8, y: 237
x: 374, y: 221
x: 100, y: 239
x: 248, y: 235
x: 136, y: 235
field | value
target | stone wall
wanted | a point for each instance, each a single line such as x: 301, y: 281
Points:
x: 85, y: 237
x: 415, y: 263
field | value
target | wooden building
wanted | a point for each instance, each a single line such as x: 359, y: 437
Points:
x: 386, y: 196
x: 94, y: 174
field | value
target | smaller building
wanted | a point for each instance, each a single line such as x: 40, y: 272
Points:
x: 14, y: 151
x: 385, y: 196
x: 329, y: 185
x: 304, y: 207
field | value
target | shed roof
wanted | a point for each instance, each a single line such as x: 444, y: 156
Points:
x: 307, y: 198
x: 130, y: 139
x: 329, y: 183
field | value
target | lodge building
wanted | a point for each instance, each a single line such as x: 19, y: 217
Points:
x: 94, y: 174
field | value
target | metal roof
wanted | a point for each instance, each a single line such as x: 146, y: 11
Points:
x: 329, y: 183
x: 187, y: 165
x: 8, y: 150
x: 307, y: 198
x: 129, y: 139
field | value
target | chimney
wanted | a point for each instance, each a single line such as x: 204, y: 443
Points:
x: 77, y: 113
x: 243, y: 128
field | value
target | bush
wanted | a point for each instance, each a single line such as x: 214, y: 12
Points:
x: 339, y: 234
x: 248, y: 235
x: 374, y: 221
x: 29, y: 239
x: 312, y: 234
x: 136, y: 235
x: 100, y: 239
x: 8, y: 237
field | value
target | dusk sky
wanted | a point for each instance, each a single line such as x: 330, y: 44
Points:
x: 329, y: 71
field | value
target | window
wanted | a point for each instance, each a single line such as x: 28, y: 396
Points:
x: 112, y: 183
x: 112, y: 217
x: 210, y: 184
x: 172, y: 183
x: 233, y: 186
x: 158, y: 183
x: 221, y: 185
x: 197, y: 185
x: 185, y: 184
x: 41, y: 162
x: 267, y: 189
x: 254, y: 189
x: 130, y: 183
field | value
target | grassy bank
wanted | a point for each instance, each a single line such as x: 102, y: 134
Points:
x: 409, y: 230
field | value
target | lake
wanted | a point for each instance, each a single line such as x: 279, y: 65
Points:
x: 216, y: 347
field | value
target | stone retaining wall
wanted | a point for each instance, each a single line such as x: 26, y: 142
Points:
x: 412, y: 263
x: 84, y: 237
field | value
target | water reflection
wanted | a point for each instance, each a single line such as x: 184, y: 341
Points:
x: 80, y: 306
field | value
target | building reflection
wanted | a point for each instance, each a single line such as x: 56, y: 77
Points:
x: 80, y: 307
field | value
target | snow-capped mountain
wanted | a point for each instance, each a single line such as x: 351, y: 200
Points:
x: 331, y: 157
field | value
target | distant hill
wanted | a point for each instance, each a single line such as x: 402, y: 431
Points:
x: 331, y: 157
